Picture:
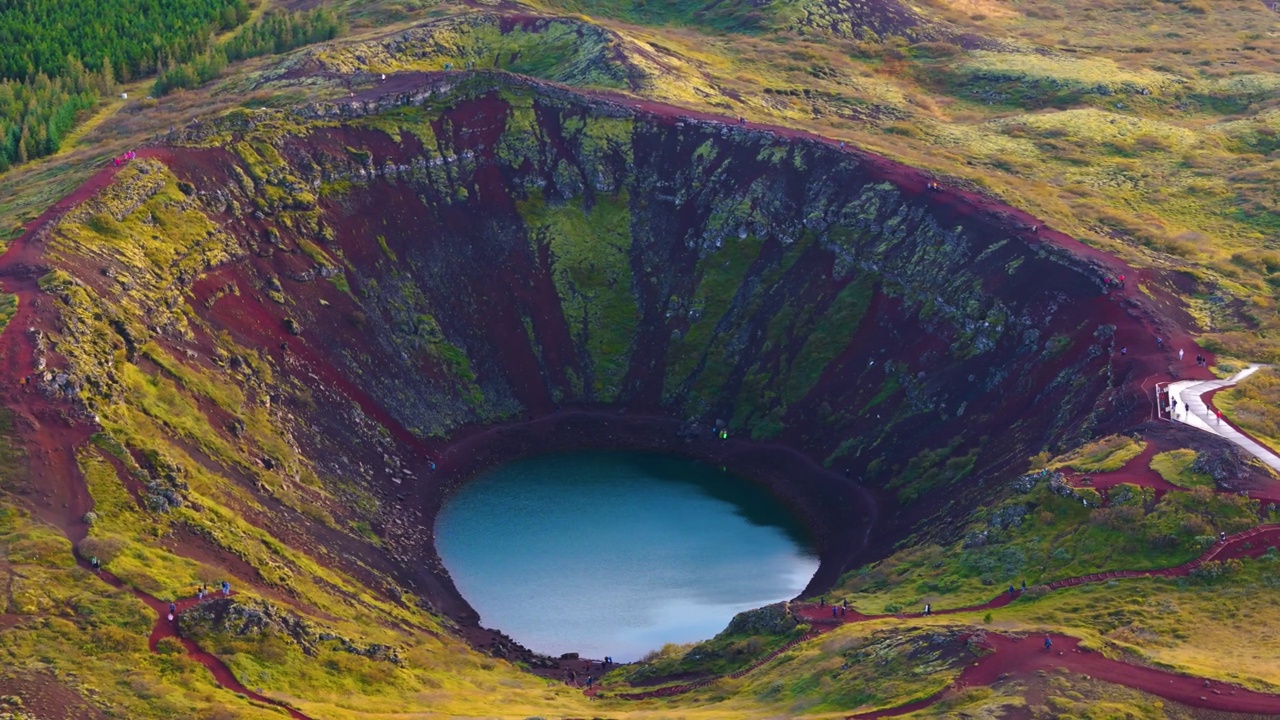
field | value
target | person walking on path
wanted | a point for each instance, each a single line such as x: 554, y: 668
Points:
x: 1048, y: 643
x: 173, y: 608
x: 1180, y: 351
x: 1219, y: 415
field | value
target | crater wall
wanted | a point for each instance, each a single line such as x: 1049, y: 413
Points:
x: 389, y: 277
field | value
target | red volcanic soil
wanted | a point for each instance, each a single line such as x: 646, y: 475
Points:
x: 50, y: 429
x: 1163, y: 436
x: 1011, y: 657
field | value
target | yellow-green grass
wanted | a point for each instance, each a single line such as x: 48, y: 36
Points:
x: 1103, y: 455
x: 8, y: 308
x: 1042, y: 536
x: 1182, y: 624
x: 1254, y: 405
x: 70, y: 623
x: 1175, y: 467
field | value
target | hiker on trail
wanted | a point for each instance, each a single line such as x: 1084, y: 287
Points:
x: 226, y: 588
x: 843, y: 610
x: 926, y: 608
x: 1121, y: 280
x: 1175, y: 407
x: 1160, y: 342
x: 173, y: 607
x: 1035, y: 228
x: 1180, y: 351
x: 1012, y: 592
x: 1219, y: 415
x: 1048, y: 643
x: 841, y: 144
x: 1124, y: 350
x: 1222, y: 536
x: 200, y: 594
x: 1024, y: 586
x: 170, y: 617
x: 835, y: 611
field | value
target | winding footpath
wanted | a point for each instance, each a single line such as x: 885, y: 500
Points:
x: 1194, y: 410
x: 164, y: 628
x: 1022, y: 654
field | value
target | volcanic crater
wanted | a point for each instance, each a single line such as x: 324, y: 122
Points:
x: 453, y: 270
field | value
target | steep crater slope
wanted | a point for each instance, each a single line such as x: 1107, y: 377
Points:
x: 320, y: 304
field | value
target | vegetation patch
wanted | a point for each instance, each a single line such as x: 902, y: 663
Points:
x: 1254, y: 405
x: 1175, y: 467
x: 8, y: 308
x: 591, y: 251
x: 1104, y: 455
x: 1046, y: 533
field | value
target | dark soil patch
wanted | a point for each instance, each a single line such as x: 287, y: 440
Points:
x: 46, y: 697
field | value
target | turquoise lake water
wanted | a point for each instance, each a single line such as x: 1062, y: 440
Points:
x: 618, y: 553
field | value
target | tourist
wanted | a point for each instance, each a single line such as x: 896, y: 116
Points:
x: 1024, y: 586
x: 1180, y: 351
x: 926, y: 608
x: 835, y: 612
x: 1160, y: 342
x: 1012, y: 593
x: 170, y: 617
x: 1124, y: 350
x: 173, y: 607
x: 1048, y: 643
x: 95, y: 563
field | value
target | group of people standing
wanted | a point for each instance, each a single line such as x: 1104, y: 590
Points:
x: 122, y: 159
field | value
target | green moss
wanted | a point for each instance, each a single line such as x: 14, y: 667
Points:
x: 386, y: 250
x: 1041, y: 536
x: 1175, y: 467
x: 720, y: 277
x: 591, y: 267
x: 1104, y: 455
x: 931, y: 469
x: 828, y: 337
x: 8, y: 308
